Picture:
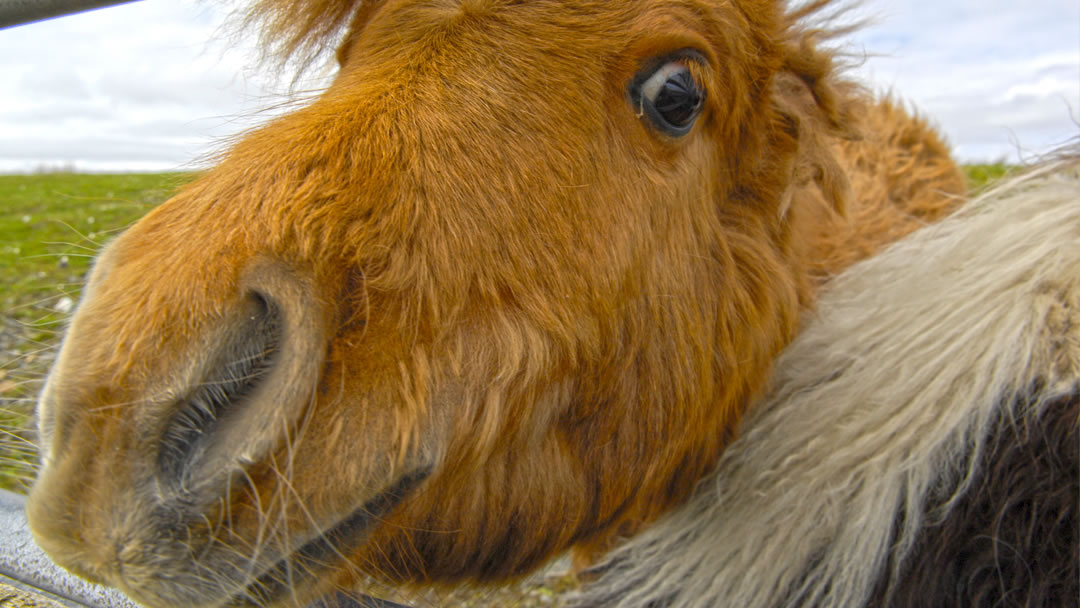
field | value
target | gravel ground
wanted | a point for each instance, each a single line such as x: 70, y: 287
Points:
x: 533, y: 597
x: 549, y: 588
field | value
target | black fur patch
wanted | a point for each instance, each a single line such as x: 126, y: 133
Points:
x: 1012, y: 540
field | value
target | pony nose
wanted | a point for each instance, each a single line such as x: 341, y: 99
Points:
x: 244, y: 356
x: 257, y: 371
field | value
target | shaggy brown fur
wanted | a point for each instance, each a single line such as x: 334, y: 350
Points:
x: 471, y: 261
x: 900, y: 163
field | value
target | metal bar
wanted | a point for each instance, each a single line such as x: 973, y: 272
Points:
x: 18, y: 12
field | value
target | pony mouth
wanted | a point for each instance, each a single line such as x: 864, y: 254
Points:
x: 311, y: 561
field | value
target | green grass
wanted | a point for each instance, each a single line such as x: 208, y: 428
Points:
x: 981, y: 175
x: 51, y: 226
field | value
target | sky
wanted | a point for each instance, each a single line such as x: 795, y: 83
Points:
x: 161, y: 85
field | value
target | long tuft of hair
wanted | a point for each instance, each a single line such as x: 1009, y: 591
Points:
x: 879, y: 416
x: 300, y: 31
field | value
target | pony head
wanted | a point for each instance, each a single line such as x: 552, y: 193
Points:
x: 503, y: 289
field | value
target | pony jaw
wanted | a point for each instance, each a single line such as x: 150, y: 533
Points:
x: 328, y: 549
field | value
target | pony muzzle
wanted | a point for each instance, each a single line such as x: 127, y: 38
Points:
x: 124, y: 459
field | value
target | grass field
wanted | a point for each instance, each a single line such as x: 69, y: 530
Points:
x: 51, y: 227
x: 52, y: 224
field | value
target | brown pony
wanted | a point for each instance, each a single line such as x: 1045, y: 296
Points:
x: 503, y: 289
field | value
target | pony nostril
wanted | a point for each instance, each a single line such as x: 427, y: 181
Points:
x: 262, y: 305
x: 246, y: 354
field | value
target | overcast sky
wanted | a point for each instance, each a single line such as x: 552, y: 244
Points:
x: 155, y: 85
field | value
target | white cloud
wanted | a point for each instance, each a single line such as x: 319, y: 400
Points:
x: 149, y: 85
x: 1047, y: 86
x: 155, y: 84
x: 1001, y: 78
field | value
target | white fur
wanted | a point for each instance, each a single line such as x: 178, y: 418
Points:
x: 885, y: 398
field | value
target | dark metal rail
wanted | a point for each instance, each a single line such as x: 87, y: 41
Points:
x: 18, y: 12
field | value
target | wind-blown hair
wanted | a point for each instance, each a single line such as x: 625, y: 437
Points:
x: 919, y: 444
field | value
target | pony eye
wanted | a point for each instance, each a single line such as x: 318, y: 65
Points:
x: 670, y: 97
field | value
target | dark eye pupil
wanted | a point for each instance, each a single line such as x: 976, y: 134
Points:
x: 679, y: 99
x: 669, y: 95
